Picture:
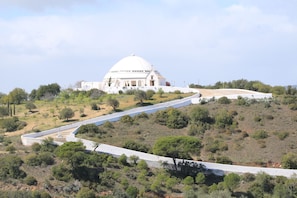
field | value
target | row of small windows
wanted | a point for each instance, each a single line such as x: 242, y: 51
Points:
x: 131, y: 71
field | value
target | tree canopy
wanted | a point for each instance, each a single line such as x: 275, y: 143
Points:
x: 66, y: 113
x: 177, y: 147
x: 114, y: 103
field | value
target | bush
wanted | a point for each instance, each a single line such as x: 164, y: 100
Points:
x: 261, y: 134
x: 289, y: 161
x: 123, y: 160
x: 60, y: 172
x: 30, y: 180
x: 149, y: 94
x: 223, y: 119
x: 126, y: 119
x: 130, y: 144
x: 257, y: 119
x: 13, y: 124
x: 108, y: 124
x: 132, y: 191
x: 142, y: 115
x: 293, y: 106
x: 223, y: 160
x: 32, y: 160
x: 224, y: 100
x: 188, y: 181
x: 94, y: 106
x: 282, y: 135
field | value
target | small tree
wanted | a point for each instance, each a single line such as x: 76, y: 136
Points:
x: 66, y: 113
x: 149, y: 94
x: 114, y: 103
x: 30, y: 106
x: 140, y: 96
x: 160, y: 92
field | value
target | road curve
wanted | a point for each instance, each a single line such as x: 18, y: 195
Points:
x: 152, y: 160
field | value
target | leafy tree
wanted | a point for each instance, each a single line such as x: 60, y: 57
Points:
x: 231, y: 181
x: 73, y: 152
x: 95, y: 94
x: 140, y: 96
x: 289, y: 161
x: 114, y: 103
x: 17, y: 96
x: 177, y: 147
x: 30, y: 106
x: 47, y: 91
x: 66, y: 113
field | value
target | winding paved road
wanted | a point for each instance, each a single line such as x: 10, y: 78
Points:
x: 152, y: 160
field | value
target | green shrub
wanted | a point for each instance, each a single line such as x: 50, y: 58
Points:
x: 132, y: 191
x: 94, y: 106
x: 123, y: 160
x: 60, y: 172
x: 130, y: 144
x: 261, y: 134
x: 108, y: 124
x: 257, y: 119
x: 293, y: 106
x: 224, y: 100
x: 30, y: 180
x: 282, y: 135
x: 126, y: 119
x: 188, y: 181
x: 223, y: 160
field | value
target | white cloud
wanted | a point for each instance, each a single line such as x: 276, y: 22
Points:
x: 38, y: 5
x: 234, y: 41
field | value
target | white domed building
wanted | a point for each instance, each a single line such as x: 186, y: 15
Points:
x: 131, y: 72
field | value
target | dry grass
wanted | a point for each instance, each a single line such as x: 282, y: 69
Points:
x: 241, y: 150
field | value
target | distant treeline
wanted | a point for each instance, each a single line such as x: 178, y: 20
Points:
x: 250, y: 85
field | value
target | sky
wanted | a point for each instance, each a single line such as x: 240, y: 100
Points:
x: 187, y: 41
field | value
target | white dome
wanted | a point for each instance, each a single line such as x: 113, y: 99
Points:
x: 130, y: 64
x: 130, y: 67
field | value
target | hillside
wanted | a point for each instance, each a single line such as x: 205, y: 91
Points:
x: 239, y: 142
x: 236, y: 142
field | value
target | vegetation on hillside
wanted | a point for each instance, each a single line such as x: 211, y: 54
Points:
x: 238, y: 131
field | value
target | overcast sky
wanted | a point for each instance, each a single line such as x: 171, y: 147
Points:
x: 188, y: 41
